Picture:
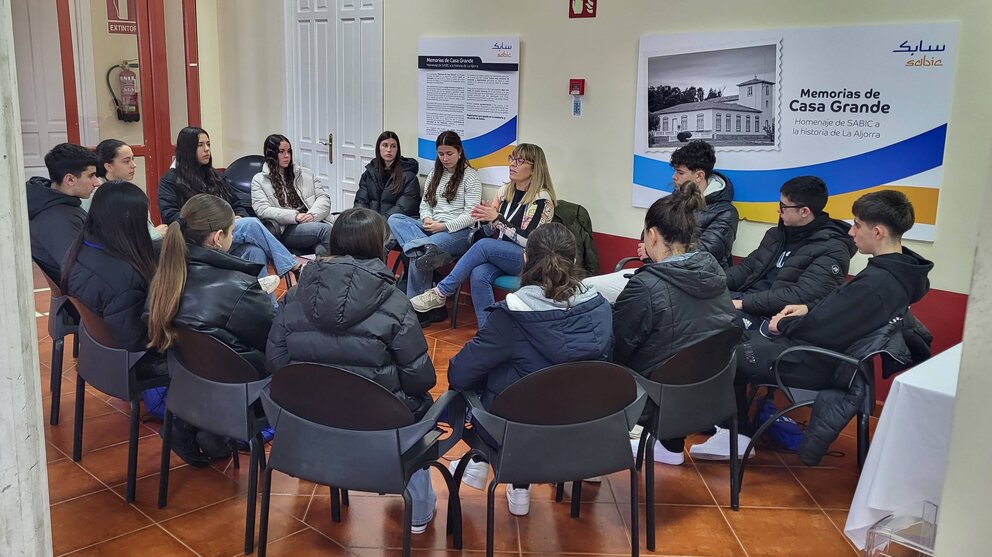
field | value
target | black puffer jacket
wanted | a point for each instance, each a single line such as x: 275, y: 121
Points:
x: 112, y: 288
x: 55, y: 220
x: 811, y: 261
x: 348, y: 313
x: 718, y: 220
x: 667, y: 306
x: 373, y: 194
x: 172, y: 197
x: 223, y: 299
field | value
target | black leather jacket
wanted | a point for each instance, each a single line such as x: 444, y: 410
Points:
x: 223, y: 299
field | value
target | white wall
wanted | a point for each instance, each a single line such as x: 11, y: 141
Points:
x: 590, y: 157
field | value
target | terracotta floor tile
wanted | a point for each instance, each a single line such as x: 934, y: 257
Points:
x: 788, y: 533
x: 838, y: 517
x: 457, y: 337
x: 67, y: 480
x: 281, y: 483
x: 549, y: 529
x: 189, y: 489
x: 45, y: 353
x: 764, y: 486
x: 843, y: 453
x: 687, y: 530
x: 592, y: 492
x: 672, y: 485
x: 306, y: 543
x: 52, y: 454
x: 218, y: 530
x: 68, y: 385
x: 443, y: 352
x: 98, y: 432
x: 831, y: 488
x: 110, y: 463
x: 92, y: 407
x: 149, y: 541
x: 41, y: 324
x: 372, y: 522
x: 98, y: 517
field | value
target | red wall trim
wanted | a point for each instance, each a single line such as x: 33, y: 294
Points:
x: 192, y: 63
x: 68, y: 71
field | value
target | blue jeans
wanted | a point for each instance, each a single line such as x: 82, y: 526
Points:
x: 482, y: 263
x: 252, y: 242
x: 409, y: 234
x: 314, y: 237
x: 422, y: 495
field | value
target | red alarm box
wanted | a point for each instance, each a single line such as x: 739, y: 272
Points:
x: 576, y: 87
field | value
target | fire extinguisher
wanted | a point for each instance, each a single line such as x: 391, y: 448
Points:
x: 127, y: 104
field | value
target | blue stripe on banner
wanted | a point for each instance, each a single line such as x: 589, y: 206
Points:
x: 874, y: 168
x: 476, y: 147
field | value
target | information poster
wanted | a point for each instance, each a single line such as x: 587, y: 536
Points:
x: 863, y: 108
x: 469, y: 85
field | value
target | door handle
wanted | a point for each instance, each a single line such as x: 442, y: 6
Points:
x: 330, y: 147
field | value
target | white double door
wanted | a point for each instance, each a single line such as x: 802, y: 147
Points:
x: 334, y: 89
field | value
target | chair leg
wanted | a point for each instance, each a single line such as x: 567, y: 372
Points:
x: 344, y: 498
x: 576, y: 497
x: 639, y: 460
x: 75, y: 345
x: 490, y: 518
x: 454, y: 308
x: 407, y: 521
x: 559, y: 492
x: 58, y: 347
x: 132, y: 453
x: 77, y: 427
x: 335, y: 505
x: 163, y: 476
x: 255, y: 444
x: 635, y: 542
x: 263, y: 521
x: 735, y: 488
x: 863, y: 435
x: 649, y: 489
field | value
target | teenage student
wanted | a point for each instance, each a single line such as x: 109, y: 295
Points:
x: 389, y: 184
x: 552, y: 319
x: 520, y: 207
x: 194, y: 174
x: 116, y: 162
x: 672, y: 303
x: 200, y: 286
x: 362, y: 324
x: 453, y: 189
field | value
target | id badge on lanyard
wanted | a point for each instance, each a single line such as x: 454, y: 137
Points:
x: 509, y: 216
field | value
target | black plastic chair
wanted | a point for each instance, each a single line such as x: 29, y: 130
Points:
x: 342, y: 430
x: 238, y: 178
x: 626, y: 261
x: 581, y: 435
x: 63, y: 320
x: 690, y: 392
x: 214, y: 389
x: 111, y: 370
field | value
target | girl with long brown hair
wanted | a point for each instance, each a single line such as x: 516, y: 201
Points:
x: 452, y: 189
x: 389, y: 184
x: 551, y: 319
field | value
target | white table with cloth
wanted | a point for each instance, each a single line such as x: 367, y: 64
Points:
x: 908, y: 454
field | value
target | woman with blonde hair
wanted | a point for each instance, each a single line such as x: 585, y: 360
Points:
x: 526, y: 202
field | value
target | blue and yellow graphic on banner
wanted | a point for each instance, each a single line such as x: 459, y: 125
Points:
x: 488, y: 150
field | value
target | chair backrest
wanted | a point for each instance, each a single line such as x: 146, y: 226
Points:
x: 568, y: 393
x: 56, y: 291
x: 699, y: 361
x: 96, y: 327
x: 211, y: 359
x: 336, y: 398
x: 238, y: 177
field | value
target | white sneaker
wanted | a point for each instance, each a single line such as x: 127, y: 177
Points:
x: 431, y: 299
x: 518, y: 500
x: 636, y: 432
x: 476, y: 473
x: 661, y: 454
x: 421, y: 528
x: 596, y: 480
x: 717, y: 447
x: 269, y: 283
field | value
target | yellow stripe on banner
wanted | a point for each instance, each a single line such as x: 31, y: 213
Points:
x: 496, y: 158
x: 924, y: 202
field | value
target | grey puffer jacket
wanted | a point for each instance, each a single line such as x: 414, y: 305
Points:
x: 667, y: 306
x: 347, y: 313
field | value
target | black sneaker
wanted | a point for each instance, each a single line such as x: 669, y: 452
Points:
x: 213, y: 446
x: 438, y: 315
x: 184, y: 444
x: 433, y: 258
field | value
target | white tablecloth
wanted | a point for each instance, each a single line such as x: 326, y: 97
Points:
x: 908, y: 455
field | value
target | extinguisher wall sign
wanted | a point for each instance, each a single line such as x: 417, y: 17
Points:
x: 122, y: 17
x: 581, y: 8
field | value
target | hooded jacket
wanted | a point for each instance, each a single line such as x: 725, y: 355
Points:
x: 55, y: 220
x: 348, y: 313
x: 223, y: 299
x: 718, y: 220
x: 527, y: 332
x: 373, y: 194
x: 793, y: 265
x: 171, y: 198
x: 667, y: 306
x: 312, y: 192
x: 114, y: 289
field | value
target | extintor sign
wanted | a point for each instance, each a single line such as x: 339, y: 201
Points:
x: 122, y: 17
x: 581, y: 8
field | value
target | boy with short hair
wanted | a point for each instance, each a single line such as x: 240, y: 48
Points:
x: 54, y: 211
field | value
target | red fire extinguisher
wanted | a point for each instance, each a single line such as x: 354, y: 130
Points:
x: 127, y: 105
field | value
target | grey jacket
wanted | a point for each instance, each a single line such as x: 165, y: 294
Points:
x: 310, y: 189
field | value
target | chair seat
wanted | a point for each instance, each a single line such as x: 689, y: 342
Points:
x: 507, y: 282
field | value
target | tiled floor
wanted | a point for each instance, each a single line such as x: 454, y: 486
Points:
x: 787, y: 509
